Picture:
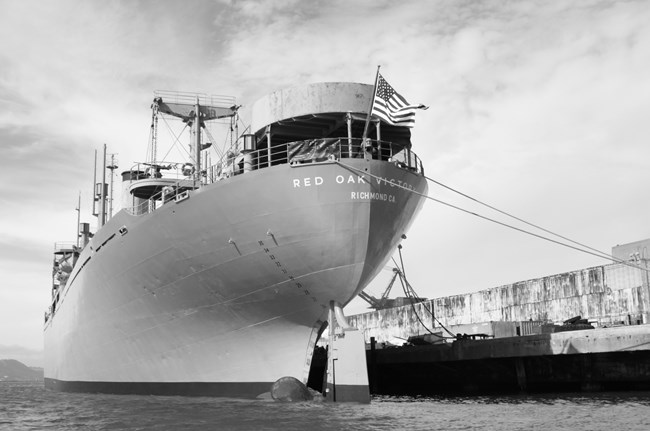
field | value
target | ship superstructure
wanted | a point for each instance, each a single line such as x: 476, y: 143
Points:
x: 217, y: 279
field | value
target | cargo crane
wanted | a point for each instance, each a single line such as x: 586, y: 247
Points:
x: 384, y: 301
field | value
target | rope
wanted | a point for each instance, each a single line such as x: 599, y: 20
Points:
x: 604, y: 255
x: 410, y: 292
x: 608, y: 257
x: 214, y: 146
x: 176, y: 139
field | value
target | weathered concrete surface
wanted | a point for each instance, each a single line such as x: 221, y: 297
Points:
x: 606, y: 295
x: 636, y: 250
x: 606, y: 358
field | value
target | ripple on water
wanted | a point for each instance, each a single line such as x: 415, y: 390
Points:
x: 28, y: 406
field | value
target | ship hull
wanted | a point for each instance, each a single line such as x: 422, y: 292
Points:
x: 226, y: 291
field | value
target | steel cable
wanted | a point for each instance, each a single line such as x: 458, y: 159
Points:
x: 599, y: 254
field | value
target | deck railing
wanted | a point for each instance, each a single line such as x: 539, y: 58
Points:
x: 313, y: 151
x: 65, y: 246
x: 323, y: 150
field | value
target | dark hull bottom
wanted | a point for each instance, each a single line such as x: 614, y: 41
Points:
x: 198, y: 389
x: 349, y: 393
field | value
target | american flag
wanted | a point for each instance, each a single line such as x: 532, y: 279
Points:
x: 391, y: 107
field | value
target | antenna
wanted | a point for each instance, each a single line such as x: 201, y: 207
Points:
x: 154, y: 129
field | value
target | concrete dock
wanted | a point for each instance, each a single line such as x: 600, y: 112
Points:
x: 515, y: 337
x: 604, y: 359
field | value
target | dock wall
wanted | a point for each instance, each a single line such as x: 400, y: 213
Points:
x: 603, y: 359
x: 606, y: 295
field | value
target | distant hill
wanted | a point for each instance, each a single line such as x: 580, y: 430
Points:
x: 28, y: 356
x: 12, y: 370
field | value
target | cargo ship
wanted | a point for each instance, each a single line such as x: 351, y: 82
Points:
x: 217, y: 279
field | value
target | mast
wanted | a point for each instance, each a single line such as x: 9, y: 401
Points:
x: 112, y: 167
x: 78, y: 218
x: 197, y: 141
x: 154, y: 132
x: 103, y: 192
x: 372, y: 104
x: 94, y: 189
x: 187, y: 107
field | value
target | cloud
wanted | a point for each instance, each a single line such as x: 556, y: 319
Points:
x: 536, y: 107
x: 537, y: 110
x: 299, y: 42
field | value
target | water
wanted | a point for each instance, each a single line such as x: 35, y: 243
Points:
x: 28, y: 406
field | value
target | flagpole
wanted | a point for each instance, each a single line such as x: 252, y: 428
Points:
x: 372, y: 105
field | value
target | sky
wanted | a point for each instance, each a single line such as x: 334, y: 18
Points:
x: 538, y: 108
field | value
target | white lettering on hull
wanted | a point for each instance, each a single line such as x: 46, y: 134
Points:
x: 307, y: 182
x: 372, y: 196
x: 342, y: 180
x: 350, y: 179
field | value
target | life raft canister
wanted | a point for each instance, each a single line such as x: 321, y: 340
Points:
x: 188, y: 169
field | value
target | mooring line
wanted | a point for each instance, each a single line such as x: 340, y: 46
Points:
x: 604, y: 255
x: 599, y: 254
x: 412, y: 293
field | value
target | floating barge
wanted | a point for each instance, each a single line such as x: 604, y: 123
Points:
x: 603, y: 359
x: 586, y: 360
